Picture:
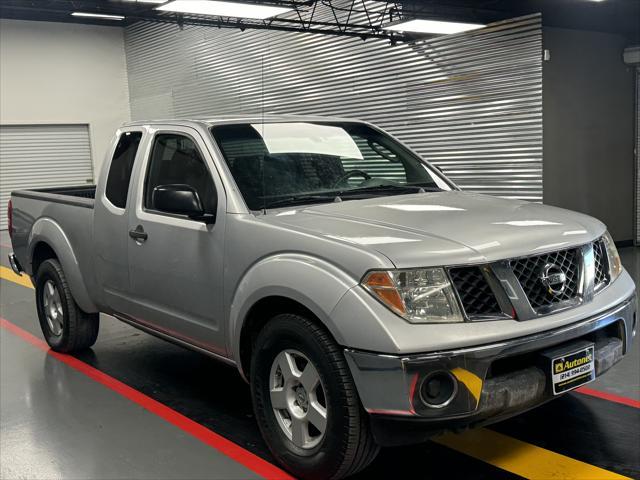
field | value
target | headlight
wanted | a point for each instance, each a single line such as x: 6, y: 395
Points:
x: 615, y: 264
x: 422, y: 295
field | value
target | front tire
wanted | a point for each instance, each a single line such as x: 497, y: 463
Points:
x: 306, y: 403
x: 65, y: 326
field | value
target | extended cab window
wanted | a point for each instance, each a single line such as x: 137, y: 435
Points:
x: 121, y: 166
x: 176, y: 160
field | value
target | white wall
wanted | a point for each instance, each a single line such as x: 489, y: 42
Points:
x: 64, y: 73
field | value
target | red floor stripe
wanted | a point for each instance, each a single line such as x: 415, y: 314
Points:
x: 609, y: 396
x: 224, y: 446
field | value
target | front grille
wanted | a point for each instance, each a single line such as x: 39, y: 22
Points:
x: 475, y: 293
x: 528, y: 271
x: 601, y: 264
x: 479, y: 301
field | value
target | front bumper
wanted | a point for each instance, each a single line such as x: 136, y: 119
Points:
x: 493, y: 381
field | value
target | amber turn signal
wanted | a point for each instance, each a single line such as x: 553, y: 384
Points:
x: 383, y: 287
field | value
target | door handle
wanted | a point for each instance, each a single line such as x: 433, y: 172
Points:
x: 138, y: 234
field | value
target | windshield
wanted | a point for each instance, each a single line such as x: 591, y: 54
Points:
x: 282, y: 164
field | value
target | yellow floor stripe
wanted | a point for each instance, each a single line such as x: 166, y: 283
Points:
x: 7, y: 274
x: 522, y: 458
x: 499, y: 450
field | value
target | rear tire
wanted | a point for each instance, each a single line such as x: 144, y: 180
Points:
x: 346, y: 444
x: 65, y: 326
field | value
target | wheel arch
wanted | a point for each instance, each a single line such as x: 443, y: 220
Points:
x: 48, y: 240
x: 41, y: 251
x: 284, y: 284
x: 259, y: 315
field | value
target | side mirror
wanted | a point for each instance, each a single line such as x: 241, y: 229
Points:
x: 180, y: 199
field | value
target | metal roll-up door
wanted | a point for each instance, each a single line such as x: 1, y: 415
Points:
x: 40, y: 156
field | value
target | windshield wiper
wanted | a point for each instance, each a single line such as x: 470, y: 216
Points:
x: 300, y: 199
x: 337, y: 195
x: 389, y: 188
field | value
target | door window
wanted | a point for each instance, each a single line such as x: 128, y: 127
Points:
x: 121, y: 166
x: 175, y: 159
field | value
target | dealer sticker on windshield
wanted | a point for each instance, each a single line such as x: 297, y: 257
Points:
x: 572, y: 370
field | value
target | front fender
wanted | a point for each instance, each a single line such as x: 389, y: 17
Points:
x: 315, y: 283
x: 48, y: 231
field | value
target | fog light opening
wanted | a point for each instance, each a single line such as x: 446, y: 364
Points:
x: 438, y: 389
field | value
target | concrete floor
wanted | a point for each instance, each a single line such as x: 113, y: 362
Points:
x: 56, y: 422
x: 624, y: 379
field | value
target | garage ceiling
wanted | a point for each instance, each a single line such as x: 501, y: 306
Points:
x: 363, y: 18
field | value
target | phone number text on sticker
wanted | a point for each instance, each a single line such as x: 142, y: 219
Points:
x: 573, y: 370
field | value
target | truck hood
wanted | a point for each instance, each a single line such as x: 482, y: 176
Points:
x: 444, y: 228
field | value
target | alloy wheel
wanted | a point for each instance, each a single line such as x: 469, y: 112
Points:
x: 298, y: 399
x: 53, y: 308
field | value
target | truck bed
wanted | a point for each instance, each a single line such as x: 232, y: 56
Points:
x: 63, y: 217
x: 81, y: 196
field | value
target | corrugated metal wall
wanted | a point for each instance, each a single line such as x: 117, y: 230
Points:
x: 39, y: 156
x: 471, y: 103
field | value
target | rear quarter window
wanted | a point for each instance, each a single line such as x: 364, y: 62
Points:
x: 121, y: 167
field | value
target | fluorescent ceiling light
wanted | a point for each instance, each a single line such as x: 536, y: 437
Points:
x: 103, y: 16
x: 432, y: 26
x: 223, y: 9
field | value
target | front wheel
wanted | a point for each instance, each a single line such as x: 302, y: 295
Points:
x: 305, y: 401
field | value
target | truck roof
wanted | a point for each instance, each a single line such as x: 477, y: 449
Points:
x: 227, y: 119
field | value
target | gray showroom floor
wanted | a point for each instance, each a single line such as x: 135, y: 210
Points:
x: 57, y: 421
x: 624, y: 379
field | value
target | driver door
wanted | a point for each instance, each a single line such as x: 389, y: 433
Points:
x: 175, y: 262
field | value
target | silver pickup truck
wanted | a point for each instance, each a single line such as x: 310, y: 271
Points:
x: 367, y: 301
